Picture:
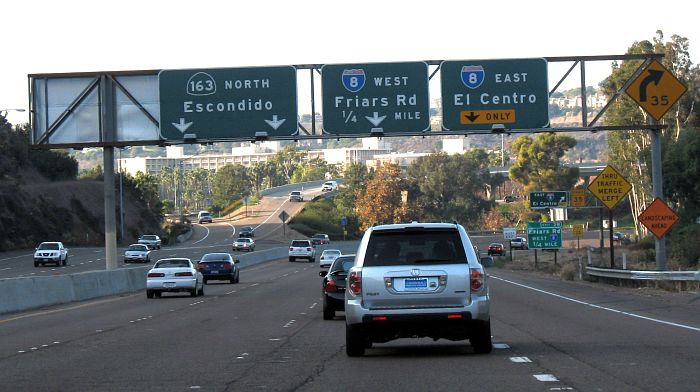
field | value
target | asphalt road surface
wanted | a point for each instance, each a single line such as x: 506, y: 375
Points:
x: 267, y: 333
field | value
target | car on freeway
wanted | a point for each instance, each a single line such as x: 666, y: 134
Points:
x: 243, y: 243
x: 320, y: 239
x: 296, y: 196
x: 302, y: 249
x: 416, y: 280
x: 327, y: 257
x: 333, y: 286
x: 150, y: 240
x: 511, y: 198
x: 496, y: 248
x: 204, y: 217
x: 518, y: 243
x: 618, y: 236
x: 51, y: 252
x: 173, y: 275
x: 137, y: 252
x: 219, y: 266
x: 246, y: 231
x: 329, y: 186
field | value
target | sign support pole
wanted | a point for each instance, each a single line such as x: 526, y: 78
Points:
x: 610, y: 238
x: 657, y: 191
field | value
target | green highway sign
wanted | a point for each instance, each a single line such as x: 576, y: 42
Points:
x: 544, y: 235
x: 477, y: 94
x: 377, y: 97
x: 227, y: 103
x: 549, y: 199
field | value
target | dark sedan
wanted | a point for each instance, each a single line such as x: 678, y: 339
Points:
x: 219, y: 266
x: 497, y: 248
x: 246, y: 231
x: 333, y: 287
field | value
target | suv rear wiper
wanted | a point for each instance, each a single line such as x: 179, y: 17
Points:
x: 431, y: 261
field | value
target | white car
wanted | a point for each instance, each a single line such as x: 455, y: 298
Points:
x: 243, y: 243
x: 174, y: 275
x: 137, y: 252
x: 328, y: 256
x: 329, y: 186
x: 51, y: 252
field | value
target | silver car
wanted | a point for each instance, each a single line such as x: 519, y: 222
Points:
x: 137, y: 252
x: 416, y: 280
x: 243, y: 243
x: 174, y: 275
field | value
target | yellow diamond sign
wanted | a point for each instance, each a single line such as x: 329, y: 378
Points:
x: 656, y: 89
x: 609, y: 187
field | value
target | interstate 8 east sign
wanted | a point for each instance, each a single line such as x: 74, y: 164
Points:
x: 476, y: 94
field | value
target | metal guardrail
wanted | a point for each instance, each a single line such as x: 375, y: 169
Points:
x: 644, y: 275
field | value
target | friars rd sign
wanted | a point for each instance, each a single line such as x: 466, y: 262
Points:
x: 227, y: 103
x: 376, y: 97
x: 476, y: 94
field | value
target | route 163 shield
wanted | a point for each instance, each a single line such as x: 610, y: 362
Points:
x: 353, y: 79
x: 473, y: 76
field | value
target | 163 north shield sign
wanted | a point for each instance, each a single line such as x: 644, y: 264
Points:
x: 476, y: 94
x: 227, y: 103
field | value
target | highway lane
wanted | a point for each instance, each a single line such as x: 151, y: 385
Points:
x: 215, y: 237
x: 267, y: 333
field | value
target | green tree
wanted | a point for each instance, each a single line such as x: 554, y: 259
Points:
x: 231, y: 183
x: 451, y: 187
x: 287, y: 161
x: 537, y: 166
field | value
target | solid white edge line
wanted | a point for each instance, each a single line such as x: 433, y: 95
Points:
x: 203, y: 238
x: 599, y: 307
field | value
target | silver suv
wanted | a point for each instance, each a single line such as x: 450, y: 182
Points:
x: 416, y: 280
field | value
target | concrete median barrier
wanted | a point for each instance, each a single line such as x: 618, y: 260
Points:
x: 18, y: 294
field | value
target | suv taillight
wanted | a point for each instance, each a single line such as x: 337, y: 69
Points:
x: 355, y: 282
x: 476, y: 279
x: 331, y: 287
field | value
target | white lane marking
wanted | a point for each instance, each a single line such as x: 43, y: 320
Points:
x: 233, y: 228
x: 561, y: 389
x: 545, y: 377
x: 18, y: 257
x: 231, y: 292
x: 289, y: 324
x: 254, y: 284
x: 520, y: 359
x: 500, y: 346
x: 205, y: 236
x: 274, y: 339
x: 5, y: 269
x: 601, y: 307
x: 313, y: 305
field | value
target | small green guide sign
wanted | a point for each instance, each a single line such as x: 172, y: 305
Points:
x: 544, y: 235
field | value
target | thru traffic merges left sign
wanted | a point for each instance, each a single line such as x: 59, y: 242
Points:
x: 227, y: 103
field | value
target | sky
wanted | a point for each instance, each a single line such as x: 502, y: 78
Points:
x: 87, y: 36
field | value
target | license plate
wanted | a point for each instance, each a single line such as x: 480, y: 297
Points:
x: 214, y: 271
x: 169, y: 285
x: 415, y: 284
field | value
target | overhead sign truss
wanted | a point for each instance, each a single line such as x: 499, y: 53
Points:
x: 122, y: 108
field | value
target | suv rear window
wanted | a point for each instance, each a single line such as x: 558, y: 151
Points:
x: 407, y: 247
x: 300, y: 244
